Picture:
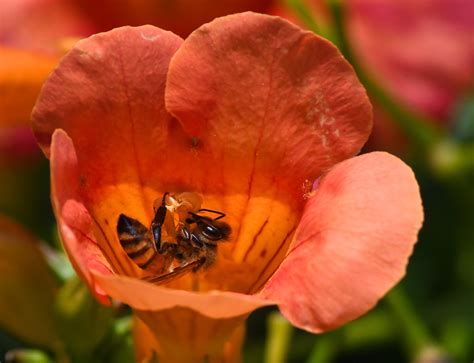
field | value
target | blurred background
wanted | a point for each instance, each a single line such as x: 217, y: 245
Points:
x: 416, y: 59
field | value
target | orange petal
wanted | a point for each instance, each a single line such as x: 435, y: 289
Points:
x: 274, y: 99
x: 120, y: 76
x: 122, y: 136
x: 21, y: 75
x: 172, y: 317
x: 144, y: 341
x: 186, y: 336
x: 74, y: 222
x: 77, y: 231
x: 352, y: 244
x: 223, y: 311
x: 142, y: 295
x: 27, y: 288
x: 270, y: 107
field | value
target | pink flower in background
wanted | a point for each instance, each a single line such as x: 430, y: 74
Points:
x: 421, y: 51
x: 41, y: 25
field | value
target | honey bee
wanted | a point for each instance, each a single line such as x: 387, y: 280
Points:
x: 196, y: 238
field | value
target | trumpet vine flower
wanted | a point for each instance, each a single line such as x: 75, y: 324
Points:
x: 263, y: 120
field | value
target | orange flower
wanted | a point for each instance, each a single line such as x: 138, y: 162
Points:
x: 30, y: 36
x: 247, y: 112
x: 21, y: 76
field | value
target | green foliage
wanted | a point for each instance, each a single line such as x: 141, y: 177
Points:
x: 27, y: 356
x: 82, y: 322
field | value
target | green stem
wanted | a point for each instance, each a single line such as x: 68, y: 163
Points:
x: 279, y: 336
x: 61, y: 355
x: 303, y: 12
x: 376, y: 328
x: 306, y: 15
x: 324, y: 350
x: 416, y: 333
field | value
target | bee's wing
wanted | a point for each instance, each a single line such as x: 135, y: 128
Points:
x: 174, y: 274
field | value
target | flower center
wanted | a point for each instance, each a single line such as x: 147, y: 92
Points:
x: 230, y: 242
x: 181, y: 238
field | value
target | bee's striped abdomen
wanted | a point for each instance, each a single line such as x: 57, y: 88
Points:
x: 136, y: 241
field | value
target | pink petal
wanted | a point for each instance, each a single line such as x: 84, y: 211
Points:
x: 74, y: 222
x: 352, y: 244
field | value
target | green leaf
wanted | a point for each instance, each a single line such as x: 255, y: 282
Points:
x: 82, y: 321
x: 27, y: 288
x: 27, y: 356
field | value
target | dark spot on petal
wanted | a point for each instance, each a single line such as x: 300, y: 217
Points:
x: 195, y: 141
x: 82, y: 181
x: 263, y: 253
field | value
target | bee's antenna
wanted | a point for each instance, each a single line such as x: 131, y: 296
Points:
x: 221, y: 214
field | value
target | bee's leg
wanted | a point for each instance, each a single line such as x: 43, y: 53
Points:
x: 202, y: 261
x: 211, y: 255
x: 205, y: 256
x: 157, y: 223
x: 169, y: 251
x: 183, y: 252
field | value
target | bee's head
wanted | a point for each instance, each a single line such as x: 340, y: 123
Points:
x: 211, y: 229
